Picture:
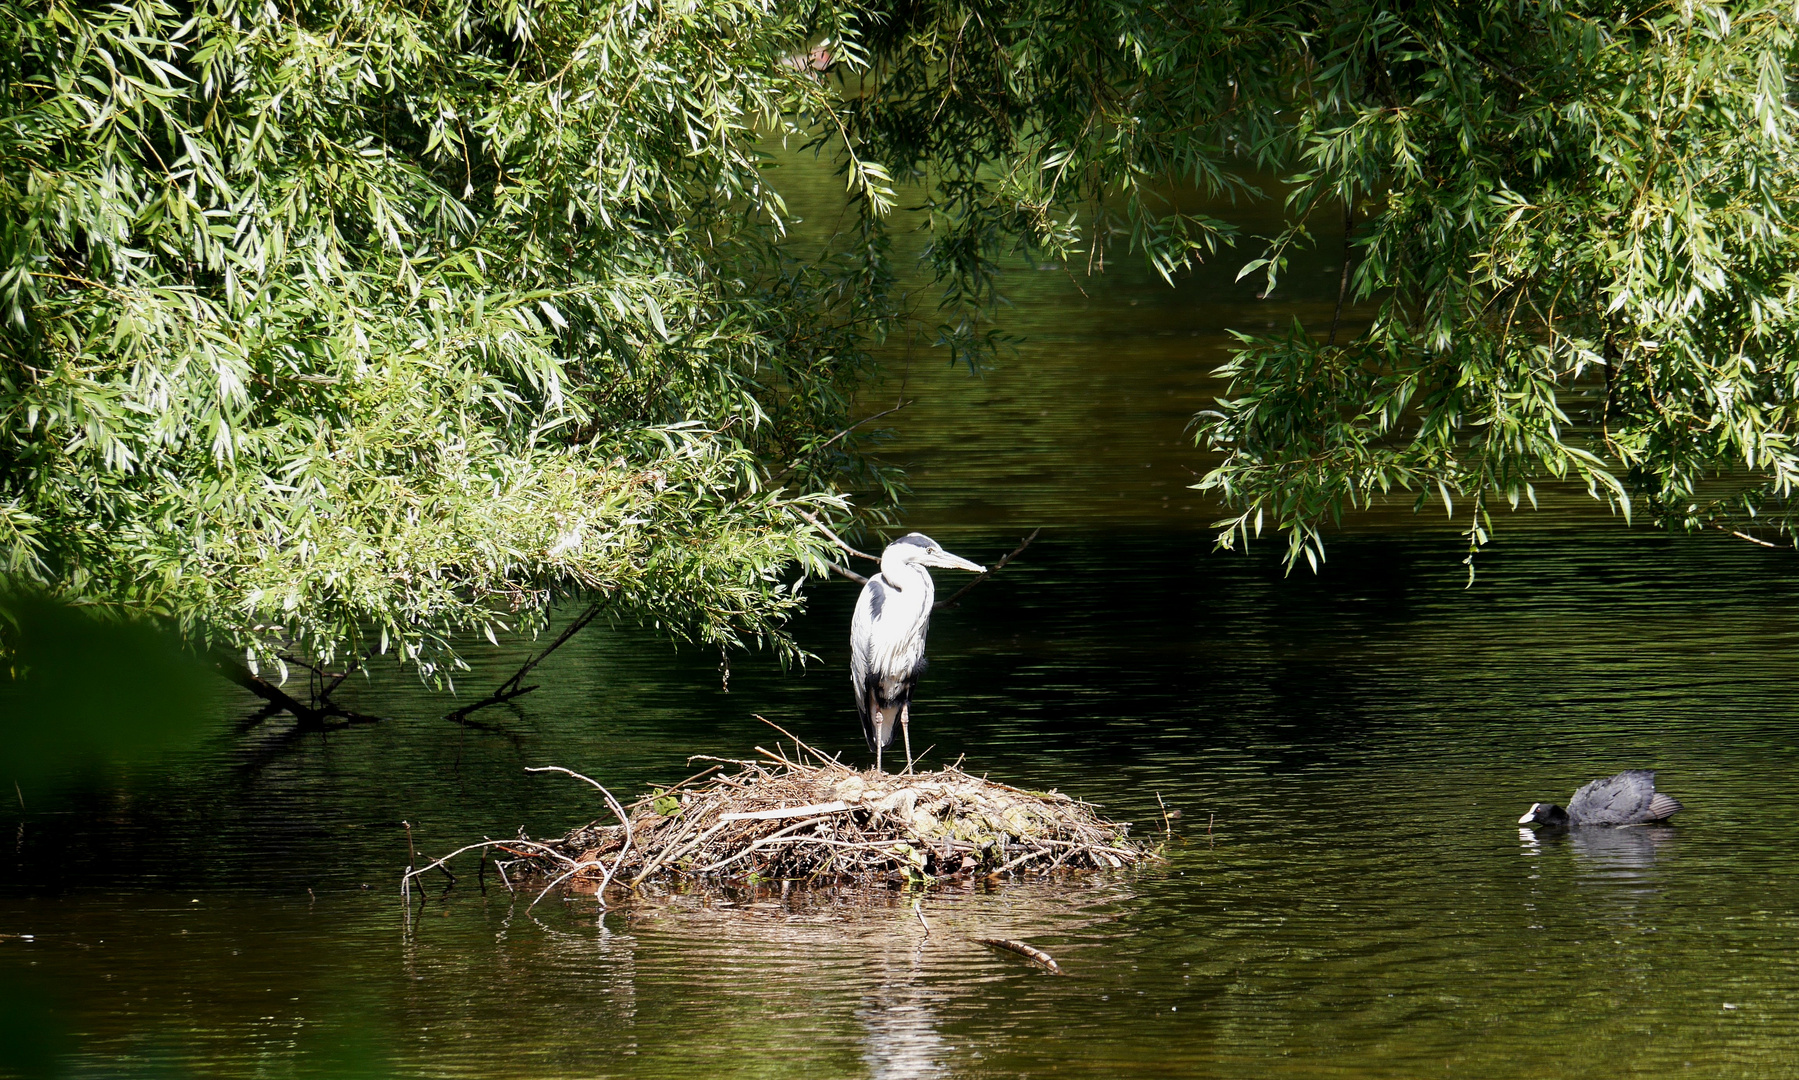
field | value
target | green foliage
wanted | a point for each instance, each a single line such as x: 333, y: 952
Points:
x: 338, y: 328
x: 1570, y: 229
x: 334, y: 329
x: 1059, y: 128
x: 1573, y: 222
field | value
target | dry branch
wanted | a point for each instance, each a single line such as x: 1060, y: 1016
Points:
x: 797, y: 811
x: 310, y: 718
x: 987, y: 573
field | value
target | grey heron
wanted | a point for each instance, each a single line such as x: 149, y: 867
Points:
x: 887, y: 636
x: 1628, y: 798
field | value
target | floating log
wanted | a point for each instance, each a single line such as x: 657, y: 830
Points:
x: 1028, y: 952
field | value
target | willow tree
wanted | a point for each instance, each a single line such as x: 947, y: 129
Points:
x: 1570, y: 228
x: 335, y: 329
x: 1574, y: 226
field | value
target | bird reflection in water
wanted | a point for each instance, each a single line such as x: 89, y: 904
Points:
x: 1617, y: 855
x: 830, y: 954
x: 1620, y: 854
x: 900, y: 1021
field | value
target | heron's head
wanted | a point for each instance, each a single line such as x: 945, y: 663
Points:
x: 920, y: 550
x: 1543, y: 813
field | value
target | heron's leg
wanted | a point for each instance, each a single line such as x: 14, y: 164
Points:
x: 877, y: 755
x: 906, y: 732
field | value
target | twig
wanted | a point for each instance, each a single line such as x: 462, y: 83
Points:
x: 918, y: 910
x: 674, y: 855
x: 1026, y: 857
x: 814, y: 751
x: 1342, y: 281
x: 1744, y: 536
x: 572, y: 871
x: 511, y: 688
x: 760, y: 843
x: 838, y: 540
x: 1166, y: 827
x: 623, y: 819
x: 1026, y: 951
x: 438, y: 863
x: 671, y: 789
x: 1092, y: 847
x: 355, y: 666
x: 782, y: 758
x: 310, y: 719
x: 848, y: 573
x: 987, y: 573
x: 694, y: 816
x: 788, y: 471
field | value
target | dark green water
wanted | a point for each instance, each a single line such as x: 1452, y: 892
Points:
x: 1360, y: 743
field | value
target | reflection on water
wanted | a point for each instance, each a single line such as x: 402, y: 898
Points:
x: 1618, y: 865
x: 1623, y: 854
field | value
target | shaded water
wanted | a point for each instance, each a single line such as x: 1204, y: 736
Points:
x: 1348, y: 895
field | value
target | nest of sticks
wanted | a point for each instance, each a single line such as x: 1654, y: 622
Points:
x: 806, y: 817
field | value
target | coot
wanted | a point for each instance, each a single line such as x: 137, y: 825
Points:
x: 1629, y: 798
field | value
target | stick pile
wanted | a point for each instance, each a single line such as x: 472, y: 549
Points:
x: 806, y: 817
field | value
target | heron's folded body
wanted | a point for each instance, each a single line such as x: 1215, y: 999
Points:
x: 891, y: 621
x: 887, y: 634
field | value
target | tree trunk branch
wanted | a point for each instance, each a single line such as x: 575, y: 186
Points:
x: 309, y: 718
x: 994, y: 569
x: 514, y: 687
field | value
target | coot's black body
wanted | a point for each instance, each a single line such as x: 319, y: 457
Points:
x: 1628, y: 798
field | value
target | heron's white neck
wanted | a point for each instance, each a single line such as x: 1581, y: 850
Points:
x: 903, y: 574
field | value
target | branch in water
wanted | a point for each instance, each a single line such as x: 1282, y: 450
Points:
x: 1026, y: 951
x: 513, y: 687
x: 311, y: 719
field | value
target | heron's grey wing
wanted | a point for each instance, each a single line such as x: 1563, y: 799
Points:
x: 862, y: 638
x: 862, y: 632
x: 1617, y: 800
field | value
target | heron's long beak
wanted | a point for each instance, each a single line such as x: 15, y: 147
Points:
x: 957, y: 562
